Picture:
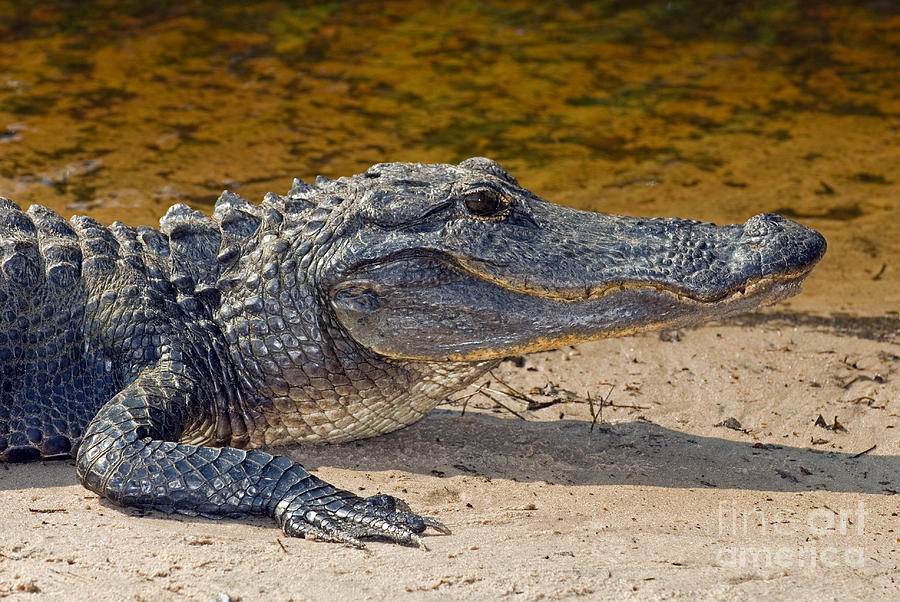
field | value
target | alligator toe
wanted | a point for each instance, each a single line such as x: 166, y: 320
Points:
x: 346, y: 518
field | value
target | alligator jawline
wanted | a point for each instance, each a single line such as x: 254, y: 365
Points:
x: 598, y: 292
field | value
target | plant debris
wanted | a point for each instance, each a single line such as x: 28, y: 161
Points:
x: 837, y: 426
x: 733, y: 424
x: 862, y: 453
x: 559, y: 395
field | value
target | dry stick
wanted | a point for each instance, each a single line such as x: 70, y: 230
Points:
x: 481, y: 389
x: 502, y: 405
x: 518, y: 395
x: 627, y: 405
x: 522, y: 397
x: 862, y: 453
x: 514, y: 393
x: 499, y: 392
x: 525, y: 399
x: 465, y: 400
x: 591, y: 409
x: 603, y: 400
x: 836, y: 513
x: 865, y: 398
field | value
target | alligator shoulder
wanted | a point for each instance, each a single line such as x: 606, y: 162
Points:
x: 164, y: 359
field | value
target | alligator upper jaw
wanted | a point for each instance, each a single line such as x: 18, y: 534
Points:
x: 581, y: 256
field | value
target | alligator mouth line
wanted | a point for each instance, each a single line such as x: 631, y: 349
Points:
x: 590, y: 293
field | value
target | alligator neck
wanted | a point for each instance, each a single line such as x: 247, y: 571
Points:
x: 308, y: 381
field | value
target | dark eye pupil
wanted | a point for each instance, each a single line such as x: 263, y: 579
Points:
x: 483, y: 203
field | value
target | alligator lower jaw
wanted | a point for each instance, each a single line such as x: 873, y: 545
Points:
x: 760, y: 293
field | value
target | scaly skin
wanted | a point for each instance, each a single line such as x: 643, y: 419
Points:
x: 344, y: 310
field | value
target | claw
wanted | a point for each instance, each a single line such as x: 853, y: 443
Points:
x: 336, y: 534
x: 419, y: 542
x: 437, y: 525
x: 314, y: 527
x: 344, y: 518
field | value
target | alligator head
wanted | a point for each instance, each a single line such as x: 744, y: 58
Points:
x: 460, y: 263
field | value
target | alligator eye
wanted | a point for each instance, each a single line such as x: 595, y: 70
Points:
x: 484, y: 203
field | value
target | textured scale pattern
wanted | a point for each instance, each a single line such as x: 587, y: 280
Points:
x: 162, y: 359
x: 115, y: 326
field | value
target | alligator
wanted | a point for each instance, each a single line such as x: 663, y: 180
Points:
x: 162, y: 360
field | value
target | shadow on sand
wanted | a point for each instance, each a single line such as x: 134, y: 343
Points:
x: 567, y: 452
x: 627, y: 453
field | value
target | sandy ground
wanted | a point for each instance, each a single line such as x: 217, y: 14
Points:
x: 705, y: 477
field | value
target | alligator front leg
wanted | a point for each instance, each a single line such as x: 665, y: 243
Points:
x: 130, y: 455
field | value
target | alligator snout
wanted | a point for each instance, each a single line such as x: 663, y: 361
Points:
x: 786, y: 248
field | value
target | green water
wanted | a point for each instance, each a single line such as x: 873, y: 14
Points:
x: 710, y: 110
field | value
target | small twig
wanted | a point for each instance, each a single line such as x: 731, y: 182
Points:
x: 866, y: 398
x: 500, y: 392
x: 516, y: 395
x: 826, y: 189
x: 847, y: 384
x: 465, y: 400
x: 627, y: 405
x: 513, y: 392
x: 591, y: 408
x: 282, y: 545
x: 862, y: 453
x: 501, y: 404
x: 603, y: 401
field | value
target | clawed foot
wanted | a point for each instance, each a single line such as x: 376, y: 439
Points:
x: 342, y: 517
